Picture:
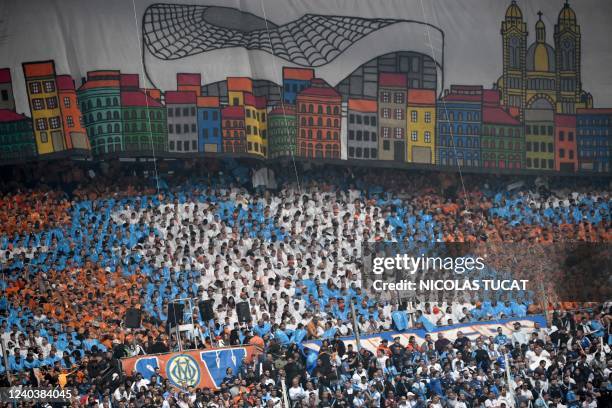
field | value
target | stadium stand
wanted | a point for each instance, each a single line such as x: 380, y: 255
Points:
x: 81, y: 250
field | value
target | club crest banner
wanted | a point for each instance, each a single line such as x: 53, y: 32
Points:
x: 195, y: 368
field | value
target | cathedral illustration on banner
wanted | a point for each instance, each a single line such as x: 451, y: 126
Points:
x: 541, y: 76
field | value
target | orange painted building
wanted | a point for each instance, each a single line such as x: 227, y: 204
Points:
x: 236, y: 88
x: 566, y: 148
x: 319, y: 121
x: 153, y: 93
x: 72, y: 119
x: 208, y: 102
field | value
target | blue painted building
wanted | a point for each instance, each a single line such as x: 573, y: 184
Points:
x: 295, y: 80
x: 594, y: 139
x: 459, y: 122
x: 210, y: 138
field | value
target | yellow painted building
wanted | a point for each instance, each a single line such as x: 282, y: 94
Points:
x: 256, y: 124
x: 421, y: 125
x: 539, y: 157
x: 540, y: 139
x: 44, y: 102
x: 237, y: 87
x: 263, y: 127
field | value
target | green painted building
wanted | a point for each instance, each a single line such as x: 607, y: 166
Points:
x: 282, y: 131
x: 502, y: 144
x: 502, y: 140
x: 16, y: 136
x: 144, y: 123
x: 100, y: 101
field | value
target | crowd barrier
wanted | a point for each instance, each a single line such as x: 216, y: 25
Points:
x: 471, y: 330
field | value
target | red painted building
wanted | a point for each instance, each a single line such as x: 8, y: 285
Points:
x: 189, y: 82
x: 129, y: 82
x: 7, y: 100
x: 233, y: 130
x: 319, y: 116
x: 566, y: 149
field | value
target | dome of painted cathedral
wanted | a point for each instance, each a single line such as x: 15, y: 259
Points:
x: 540, y: 56
x: 567, y: 16
x: 514, y: 11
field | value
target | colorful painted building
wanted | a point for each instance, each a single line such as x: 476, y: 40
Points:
x: 129, y: 82
x: 594, y: 139
x: 236, y: 88
x: 7, y: 100
x: 16, y: 136
x: 182, y: 121
x: 362, y: 137
x: 459, y: 120
x: 502, y: 141
x: 256, y: 124
x: 319, y: 115
x: 392, y: 117
x: 209, y: 124
x: 295, y: 80
x: 153, y: 93
x: 540, y: 136
x: 144, y: 122
x: 282, y: 129
x: 421, y: 125
x: 72, y: 120
x: 566, y: 149
x: 44, y: 105
x: 189, y: 83
x: 232, y: 125
x: 100, y: 101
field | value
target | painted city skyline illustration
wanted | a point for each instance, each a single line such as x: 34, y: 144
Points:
x: 393, y: 108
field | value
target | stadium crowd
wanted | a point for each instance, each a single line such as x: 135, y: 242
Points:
x: 74, y: 262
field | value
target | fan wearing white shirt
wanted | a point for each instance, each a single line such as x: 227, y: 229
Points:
x: 296, y: 392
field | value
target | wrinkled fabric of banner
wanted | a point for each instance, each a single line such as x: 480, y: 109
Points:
x: 447, y: 83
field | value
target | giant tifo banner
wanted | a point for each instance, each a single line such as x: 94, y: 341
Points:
x: 196, y: 368
x: 510, y: 86
x: 470, y: 330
